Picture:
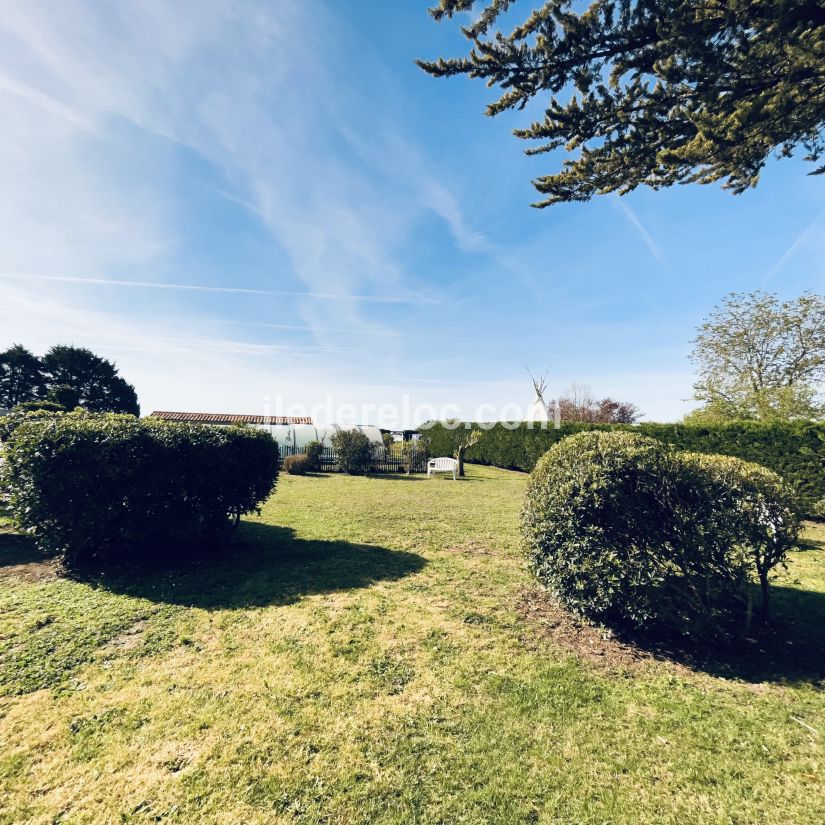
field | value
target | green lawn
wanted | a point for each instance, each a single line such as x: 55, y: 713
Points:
x: 363, y: 656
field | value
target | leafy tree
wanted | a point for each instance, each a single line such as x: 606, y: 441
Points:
x: 578, y: 405
x: 761, y: 359
x: 64, y: 395
x: 653, y: 92
x: 94, y: 380
x: 21, y: 376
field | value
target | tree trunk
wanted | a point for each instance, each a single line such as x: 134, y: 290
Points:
x: 766, y: 605
x: 460, y: 457
x: 235, y: 520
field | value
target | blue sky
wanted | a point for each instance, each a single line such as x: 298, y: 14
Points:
x: 269, y: 199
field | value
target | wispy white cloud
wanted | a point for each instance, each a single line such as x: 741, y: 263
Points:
x: 425, y: 181
x: 222, y: 290
x: 104, y: 104
x: 172, y: 367
x: 240, y: 85
x: 627, y: 210
x: 44, y: 102
x: 170, y: 344
x: 802, y: 239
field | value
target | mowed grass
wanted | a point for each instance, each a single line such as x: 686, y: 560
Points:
x: 360, y: 657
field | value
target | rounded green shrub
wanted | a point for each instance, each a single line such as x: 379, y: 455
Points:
x: 104, y: 485
x: 622, y: 530
x: 592, y: 528
x: 354, y: 451
x: 314, y: 452
x: 753, y: 508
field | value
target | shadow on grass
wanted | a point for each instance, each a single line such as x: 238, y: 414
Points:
x: 809, y: 544
x: 17, y: 549
x: 264, y: 565
x: 790, y: 650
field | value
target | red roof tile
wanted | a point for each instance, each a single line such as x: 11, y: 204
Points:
x: 230, y: 418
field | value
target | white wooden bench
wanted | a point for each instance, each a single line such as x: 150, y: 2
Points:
x: 442, y: 465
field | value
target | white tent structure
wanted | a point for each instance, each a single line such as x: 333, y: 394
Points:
x: 293, y: 432
x: 538, y: 412
x: 299, y: 435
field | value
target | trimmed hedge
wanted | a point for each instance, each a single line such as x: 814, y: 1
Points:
x: 749, y: 508
x: 794, y: 450
x: 624, y: 529
x: 593, y: 531
x: 104, y: 485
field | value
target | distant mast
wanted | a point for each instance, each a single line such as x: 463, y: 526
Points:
x: 538, y: 411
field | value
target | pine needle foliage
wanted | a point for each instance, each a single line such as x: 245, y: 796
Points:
x: 652, y: 92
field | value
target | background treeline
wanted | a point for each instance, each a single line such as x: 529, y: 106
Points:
x: 795, y: 450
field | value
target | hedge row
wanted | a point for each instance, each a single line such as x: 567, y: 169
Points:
x: 92, y: 486
x: 794, y: 450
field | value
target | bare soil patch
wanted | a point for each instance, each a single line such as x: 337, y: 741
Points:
x: 595, y: 644
x: 20, y: 558
x: 129, y: 638
x: 33, y: 571
x: 779, y: 652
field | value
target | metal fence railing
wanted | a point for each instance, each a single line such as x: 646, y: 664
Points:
x: 405, y: 459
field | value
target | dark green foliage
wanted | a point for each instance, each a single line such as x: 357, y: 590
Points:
x: 103, y: 486
x: 626, y: 530
x: 297, y: 465
x: 653, y: 92
x: 93, y: 380
x: 64, y: 396
x: 591, y: 528
x: 354, y: 452
x: 314, y: 451
x: 67, y: 377
x: 40, y: 406
x: 753, y: 502
x: 794, y: 450
x: 21, y: 376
